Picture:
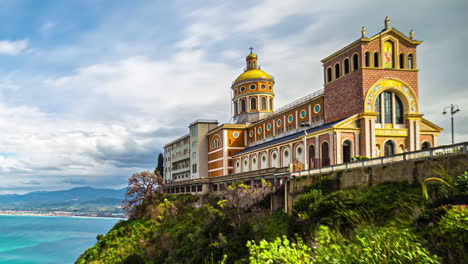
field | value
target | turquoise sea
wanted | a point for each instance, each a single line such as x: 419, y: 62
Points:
x: 48, y: 239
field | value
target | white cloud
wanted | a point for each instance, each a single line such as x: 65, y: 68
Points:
x: 110, y: 115
x: 12, y: 47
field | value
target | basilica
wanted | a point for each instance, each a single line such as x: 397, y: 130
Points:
x: 368, y: 107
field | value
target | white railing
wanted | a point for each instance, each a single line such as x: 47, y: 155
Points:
x: 299, y: 101
x: 447, y: 150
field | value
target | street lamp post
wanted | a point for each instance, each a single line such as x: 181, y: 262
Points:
x: 453, y: 110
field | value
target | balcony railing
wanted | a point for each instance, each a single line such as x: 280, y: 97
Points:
x: 446, y: 150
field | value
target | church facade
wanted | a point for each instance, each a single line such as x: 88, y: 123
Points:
x: 368, y: 107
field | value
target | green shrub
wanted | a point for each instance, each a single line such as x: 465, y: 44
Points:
x: 279, y: 251
x: 371, y: 245
x: 461, y: 183
x: 448, y: 236
x: 305, y: 203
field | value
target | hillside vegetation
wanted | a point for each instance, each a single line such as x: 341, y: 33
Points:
x: 387, y: 223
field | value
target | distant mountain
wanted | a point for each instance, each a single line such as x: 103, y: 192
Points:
x: 76, y: 199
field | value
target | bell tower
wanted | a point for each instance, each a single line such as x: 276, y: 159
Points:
x: 253, y: 93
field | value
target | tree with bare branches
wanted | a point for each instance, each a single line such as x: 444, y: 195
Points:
x: 142, y: 187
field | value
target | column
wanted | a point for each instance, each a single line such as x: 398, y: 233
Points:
x: 339, y: 149
x: 372, y: 139
x: 417, y: 140
x: 331, y: 151
x: 411, y: 134
x: 225, y: 153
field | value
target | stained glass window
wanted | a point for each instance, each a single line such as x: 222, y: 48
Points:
x: 398, y: 110
x: 377, y: 109
x: 388, y: 107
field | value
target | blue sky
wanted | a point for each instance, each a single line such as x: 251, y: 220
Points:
x: 91, y: 90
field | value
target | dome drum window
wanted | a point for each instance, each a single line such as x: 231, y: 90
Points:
x: 263, y: 87
x: 253, y: 87
x: 242, y: 89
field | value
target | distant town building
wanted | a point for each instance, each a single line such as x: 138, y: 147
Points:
x: 368, y: 107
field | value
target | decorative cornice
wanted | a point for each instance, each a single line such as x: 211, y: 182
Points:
x: 226, y: 126
x: 236, y: 84
x: 253, y: 93
x: 365, y: 40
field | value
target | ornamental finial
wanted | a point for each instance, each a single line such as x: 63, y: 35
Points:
x: 363, y: 32
x: 411, y: 34
x: 387, y: 22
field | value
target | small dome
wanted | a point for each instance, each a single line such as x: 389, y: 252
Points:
x: 251, y: 56
x: 253, y: 74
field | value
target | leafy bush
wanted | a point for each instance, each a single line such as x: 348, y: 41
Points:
x: 368, y: 245
x: 461, y: 183
x: 346, y: 209
x: 447, y: 234
x: 371, y: 245
x: 306, y: 202
x: 279, y: 251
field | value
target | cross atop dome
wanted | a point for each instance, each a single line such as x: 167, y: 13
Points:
x: 251, y: 49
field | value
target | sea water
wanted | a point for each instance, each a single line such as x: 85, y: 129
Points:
x: 48, y: 239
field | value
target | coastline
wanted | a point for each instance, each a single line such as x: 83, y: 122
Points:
x: 57, y: 214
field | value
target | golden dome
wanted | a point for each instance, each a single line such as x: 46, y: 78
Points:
x: 252, y: 56
x: 253, y: 74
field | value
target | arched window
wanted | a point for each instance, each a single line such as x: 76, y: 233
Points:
x: 329, y: 74
x: 325, y: 154
x: 337, y: 71
x: 264, y: 106
x: 243, y: 108
x: 392, y: 111
x: 264, y: 161
x: 410, y: 61
x: 402, y: 60
x: 355, y: 62
x: 235, y: 108
x: 398, y: 110
x: 367, y: 59
x: 376, y: 59
x: 246, y: 165
x: 286, y: 157
x: 254, y: 163
x: 425, y: 145
x: 300, y: 154
x: 274, y: 159
x: 271, y: 104
x: 215, y: 143
x: 388, y: 107
x: 347, y: 150
x: 389, y: 148
x: 346, y: 66
x: 253, y: 103
x: 377, y: 109
x: 312, y: 158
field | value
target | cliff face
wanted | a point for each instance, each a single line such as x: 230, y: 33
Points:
x: 174, y: 231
